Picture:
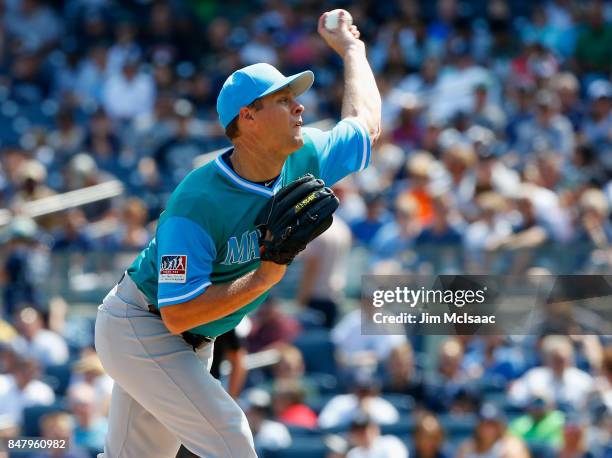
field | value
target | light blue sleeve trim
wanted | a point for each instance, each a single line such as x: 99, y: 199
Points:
x: 365, y: 139
x: 178, y: 299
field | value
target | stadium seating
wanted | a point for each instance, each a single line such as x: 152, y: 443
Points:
x: 32, y: 416
x: 318, y: 351
x: 58, y: 378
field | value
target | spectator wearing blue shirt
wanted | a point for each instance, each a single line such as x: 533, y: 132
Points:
x: 491, y: 359
x: 73, y: 235
x: 365, y: 229
x: 90, y: 426
x: 439, y: 243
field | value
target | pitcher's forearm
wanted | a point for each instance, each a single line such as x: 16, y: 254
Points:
x: 221, y: 299
x: 361, y: 96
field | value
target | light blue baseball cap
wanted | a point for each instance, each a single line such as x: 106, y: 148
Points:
x: 246, y: 85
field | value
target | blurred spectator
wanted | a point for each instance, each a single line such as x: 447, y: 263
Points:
x: 568, y: 385
x: 542, y: 424
x: 392, y: 243
x: 88, y: 370
x: 73, y: 236
x: 486, y: 232
x: 46, y: 346
x: 449, y: 381
x: 575, y: 440
x: 31, y: 82
x: 125, y: 45
x: 520, y: 107
x: 30, y: 180
x: 365, y: 229
x: 593, y: 235
x: 420, y: 167
x: 364, y: 397
x: 103, y: 144
x: 59, y: 426
x: 493, y: 359
x: 325, y: 269
x: 598, y: 124
x: 91, y: 76
x: 438, y: 243
x: 409, y: 129
x: 131, y: 233
x: 484, y: 112
x: 547, y: 130
x: 130, y: 93
x: 336, y: 446
x: 271, y: 325
x: 490, y: 438
x: 428, y: 438
x: 603, y: 384
x: 567, y: 87
x: 267, y: 433
x: 368, y: 443
x: 91, y: 426
x: 25, y: 266
x: 67, y: 139
x: 594, y: 41
x: 356, y: 351
x: 458, y: 178
x: 176, y: 154
x: 401, y: 374
x: 82, y: 171
x: 288, y: 404
x: 33, y: 24
x: 290, y: 366
x: 20, y: 388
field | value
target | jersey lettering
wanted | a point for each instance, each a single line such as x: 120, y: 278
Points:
x: 244, y: 251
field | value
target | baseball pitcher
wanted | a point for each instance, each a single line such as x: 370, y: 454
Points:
x: 229, y: 230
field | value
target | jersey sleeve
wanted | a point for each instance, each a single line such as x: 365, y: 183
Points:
x: 185, y: 254
x: 343, y: 150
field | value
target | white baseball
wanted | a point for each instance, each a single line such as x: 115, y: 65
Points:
x: 332, y: 19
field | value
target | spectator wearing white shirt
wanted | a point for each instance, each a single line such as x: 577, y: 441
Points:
x: 267, y: 433
x: 20, y: 389
x: 341, y: 409
x: 47, y: 347
x: 356, y: 350
x: 489, y: 229
x: 325, y: 272
x: 548, y: 129
x: 365, y: 435
x: 92, y: 73
x: 88, y: 370
x: 130, y: 93
x: 569, y: 386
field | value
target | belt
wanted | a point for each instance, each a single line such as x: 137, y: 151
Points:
x: 196, y: 341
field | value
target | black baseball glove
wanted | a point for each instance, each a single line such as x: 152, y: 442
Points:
x: 297, y: 214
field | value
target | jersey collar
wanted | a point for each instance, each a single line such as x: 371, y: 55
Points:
x: 246, y: 184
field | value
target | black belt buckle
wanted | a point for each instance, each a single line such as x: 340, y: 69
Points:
x: 196, y: 340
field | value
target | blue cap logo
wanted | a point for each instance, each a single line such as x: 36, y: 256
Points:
x: 246, y: 85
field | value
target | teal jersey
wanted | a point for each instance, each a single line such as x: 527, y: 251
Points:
x: 206, y: 234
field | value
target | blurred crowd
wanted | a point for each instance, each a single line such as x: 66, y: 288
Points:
x: 496, y: 157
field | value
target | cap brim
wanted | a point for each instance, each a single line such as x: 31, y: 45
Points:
x: 299, y: 83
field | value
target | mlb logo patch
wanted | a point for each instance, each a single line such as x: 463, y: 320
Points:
x: 173, y: 268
